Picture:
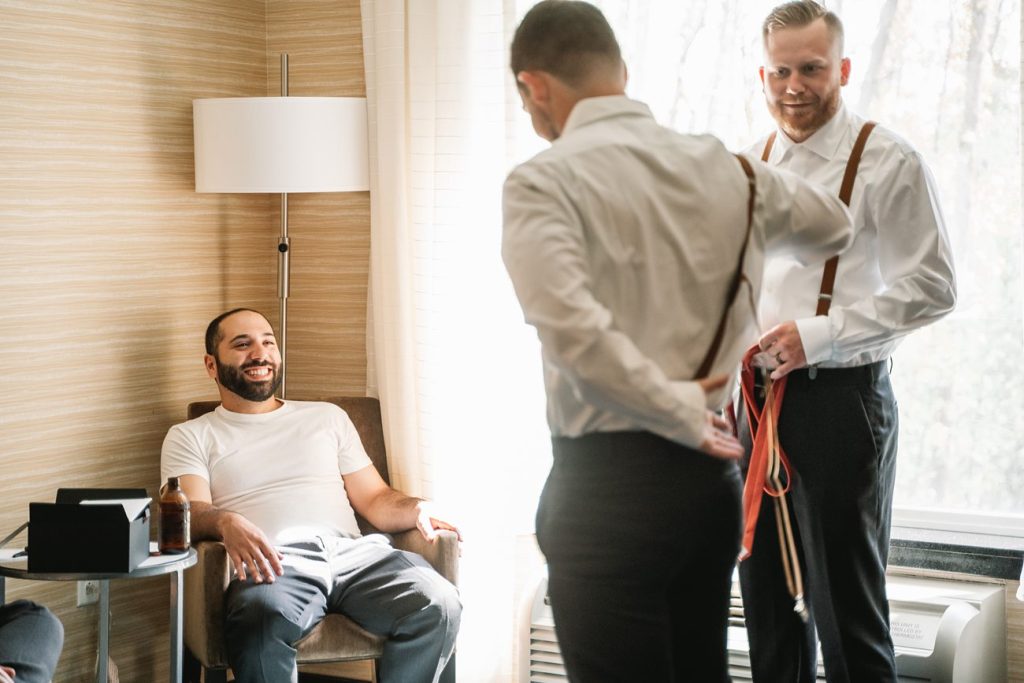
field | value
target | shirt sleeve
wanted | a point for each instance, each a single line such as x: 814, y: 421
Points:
x: 799, y: 218
x: 352, y: 455
x: 182, y: 454
x: 915, y: 261
x: 543, y: 250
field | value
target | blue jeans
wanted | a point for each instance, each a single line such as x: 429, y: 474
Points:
x: 30, y: 641
x: 388, y: 592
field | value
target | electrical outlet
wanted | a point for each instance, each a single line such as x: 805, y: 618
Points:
x: 88, y: 593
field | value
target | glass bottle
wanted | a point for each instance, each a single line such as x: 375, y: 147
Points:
x: 174, y: 518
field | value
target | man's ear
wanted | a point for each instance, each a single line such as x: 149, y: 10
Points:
x: 760, y: 72
x: 844, y: 71
x: 211, y: 365
x: 535, y: 86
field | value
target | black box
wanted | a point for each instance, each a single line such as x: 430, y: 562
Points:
x: 71, y: 536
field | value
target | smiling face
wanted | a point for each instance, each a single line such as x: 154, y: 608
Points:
x: 802, y: 77
x: 246, y: 362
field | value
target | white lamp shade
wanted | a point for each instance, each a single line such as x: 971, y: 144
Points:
x: 281, y: 144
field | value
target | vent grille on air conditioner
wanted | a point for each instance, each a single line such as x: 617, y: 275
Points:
x: 544, y: 663
x: 944, y: 631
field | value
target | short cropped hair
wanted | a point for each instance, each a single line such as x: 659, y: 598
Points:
x: 566, y: 38
x: 213, y: 333
x: 799, y: 14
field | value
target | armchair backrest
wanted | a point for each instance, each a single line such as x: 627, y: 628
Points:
x: 364, y: 411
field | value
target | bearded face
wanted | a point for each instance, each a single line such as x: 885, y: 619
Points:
x: 803, y: 77
x: 254, y: 381
x: 246, y: 360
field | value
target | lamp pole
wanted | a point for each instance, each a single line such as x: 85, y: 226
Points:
x: 283, y: 260
x: 281, y: 145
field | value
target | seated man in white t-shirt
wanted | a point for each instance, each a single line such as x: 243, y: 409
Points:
x: 277, y: 481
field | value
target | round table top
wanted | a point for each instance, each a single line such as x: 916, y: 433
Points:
x: 154, y: 565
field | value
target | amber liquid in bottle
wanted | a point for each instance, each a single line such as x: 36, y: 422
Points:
x: 174, y: 518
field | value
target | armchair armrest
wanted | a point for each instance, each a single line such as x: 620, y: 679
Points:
x: 205, y: 584
x: 442, y: 554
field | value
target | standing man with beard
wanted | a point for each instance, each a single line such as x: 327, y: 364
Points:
x: 277, y: 482
x: 838, y: 425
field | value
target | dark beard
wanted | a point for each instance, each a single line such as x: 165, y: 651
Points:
x: 234, y: 380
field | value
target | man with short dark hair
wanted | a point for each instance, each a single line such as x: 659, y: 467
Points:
x: 30, y: 642
x: 831, y: 332
x: 277, y: 482
x: 636, y: 253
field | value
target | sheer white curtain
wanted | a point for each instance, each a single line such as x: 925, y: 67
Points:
x: 456, y: 370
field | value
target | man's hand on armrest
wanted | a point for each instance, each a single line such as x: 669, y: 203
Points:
x: 428, y: 521
x: 249, y: 549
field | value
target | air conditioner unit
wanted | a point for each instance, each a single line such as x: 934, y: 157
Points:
x: 540, y: 659
x: 944, y: 631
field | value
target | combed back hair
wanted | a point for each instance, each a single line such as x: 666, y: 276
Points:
x: 568, y: 39
x: 213, y: 333
x: 799, y: 14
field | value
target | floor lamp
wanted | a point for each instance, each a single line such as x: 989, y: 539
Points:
x: 281, y: 144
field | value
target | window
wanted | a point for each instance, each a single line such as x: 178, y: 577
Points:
x: 945, y: 74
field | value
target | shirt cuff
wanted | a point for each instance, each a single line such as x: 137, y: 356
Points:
x: 815, y: 335
x: 689, y: 429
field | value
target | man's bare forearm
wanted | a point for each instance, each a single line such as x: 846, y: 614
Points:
x: 392, y: 511
x: 208, y: 522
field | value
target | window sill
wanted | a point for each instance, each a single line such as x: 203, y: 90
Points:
x: 996, y: 557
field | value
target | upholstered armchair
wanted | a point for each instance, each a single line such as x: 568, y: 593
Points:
x: 336, y: 638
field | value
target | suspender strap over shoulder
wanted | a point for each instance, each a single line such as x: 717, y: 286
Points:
x: 768, y: 147
x: 734, y: 286
x: 828, y: 277
x: 846, y: 190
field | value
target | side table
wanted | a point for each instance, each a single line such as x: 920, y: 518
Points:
x: 154, y: 565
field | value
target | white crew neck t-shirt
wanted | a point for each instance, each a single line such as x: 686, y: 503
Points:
x: 281, y: 470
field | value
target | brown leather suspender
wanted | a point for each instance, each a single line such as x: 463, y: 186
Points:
x: 768, y: 147
x: 828, y: 277
x: 737, y: 278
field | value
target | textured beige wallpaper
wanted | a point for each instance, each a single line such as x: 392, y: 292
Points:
x: 111, y: 264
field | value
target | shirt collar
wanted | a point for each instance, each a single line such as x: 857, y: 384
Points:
x: 825, y: 141
x: 591, y: 109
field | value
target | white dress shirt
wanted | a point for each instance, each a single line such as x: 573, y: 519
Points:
x: 897, y: 275
x: 621, y: 240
